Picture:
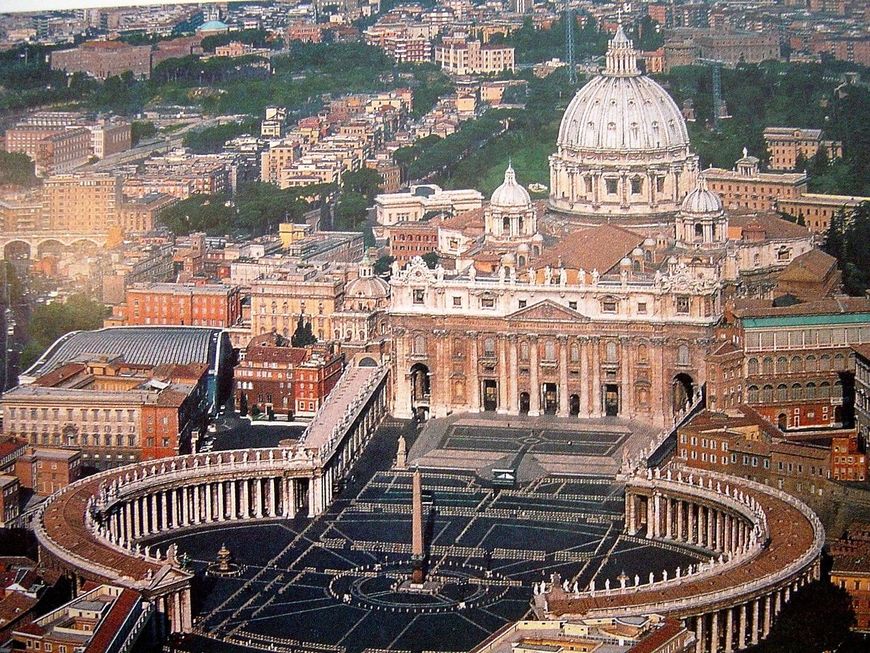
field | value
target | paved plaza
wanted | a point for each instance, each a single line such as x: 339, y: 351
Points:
x: 536, y: 446
x: 331, y: 584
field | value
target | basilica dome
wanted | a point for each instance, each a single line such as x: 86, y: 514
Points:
x: 623, y: 148
x: 702, y: 200
x: 510, y: 195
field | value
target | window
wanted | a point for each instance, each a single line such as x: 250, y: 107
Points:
x: 752, y: 366
x: 489, y: 347
x: 641, y: 308
x: 524, y: 350
x: 575, y: 353
x: 522, y: 303
x: 683, y: 305
x: 610, y: 352
x: 608, y: 305
x: 636, y: 185
x: 683, y: 354
x: 457, y: 302
x: 419, y: 296
x: 487, y: 302
x: 549, y: 350
x: 572, y: 306
x: 612, y: 186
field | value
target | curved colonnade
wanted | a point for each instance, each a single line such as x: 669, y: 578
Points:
x: 763, y: 544
x: 94, y: 528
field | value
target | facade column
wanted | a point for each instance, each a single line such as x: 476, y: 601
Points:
x: 221, y: 500
x: 164, y: 510
x: 767, y: 617
x: 699, y: 634
x: 136, y: 522
x: 513, y: 389
x: 741, y: 633
x: 755, y: 606
x: 669, y: 517
x: 657, y: 515
x: 173, y: 502
x: 690, y: 507
x: 625, y: 400
x: 257, y: 488
x: 503, y: 375
x: 680, y: 529
x: 777, y: 602
x: 714, y: 631
x: 273, y: 498
x: 596, y: 377
x: 246, y: 510
x: 729, y: 630
x: 585, y: 406
x: 234, y: 503
x: 155, y: 524
x: 291, y: 501
x: 313, y: 491
x: 563, y: 393
x: 474, y: 376
x: 534, y: 381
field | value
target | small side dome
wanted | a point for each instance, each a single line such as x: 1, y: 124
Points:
x: 508, y: 260
x: 702, y: 200
x: 510, y: 195
x: 523, y: 248
x: 637, y: 252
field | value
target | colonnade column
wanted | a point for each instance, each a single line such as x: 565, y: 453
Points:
x: 729, y: 630
x: 755, y: 606
x: 669, y: 516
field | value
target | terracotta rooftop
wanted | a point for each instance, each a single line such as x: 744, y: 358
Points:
x: 597, y: 248
x: 828, y: 306
x: 816, y: 262
x: 772, y: 224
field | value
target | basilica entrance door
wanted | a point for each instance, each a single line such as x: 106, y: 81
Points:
x: 524, y: 403
x: 550, y: 399
x: 611, y: 400
x: 574, y: 406
x: 490, y: 395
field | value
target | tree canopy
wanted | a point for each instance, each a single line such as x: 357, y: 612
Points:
x: 49, y: 322
x: 847, y: 239
x: 16, y: 169
x: 212, y: 139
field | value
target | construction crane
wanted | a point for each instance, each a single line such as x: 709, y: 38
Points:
x: 569, y: 46
x: 716, y: 67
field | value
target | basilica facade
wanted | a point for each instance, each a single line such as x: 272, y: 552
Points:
x: 606, y: 304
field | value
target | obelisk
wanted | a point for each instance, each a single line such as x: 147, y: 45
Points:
x: 417, y: 555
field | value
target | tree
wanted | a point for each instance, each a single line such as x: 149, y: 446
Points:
x: 430, y: 259
x: 243, y: 405
x: 303, y: 335
x: 365, y: 181
x: 260, y: 207
x: 50, y: 321
x: 140, y: 130
x: 383, y: 266
x: 351, y: 211
x: 16, y: 169
x: 208, y: 213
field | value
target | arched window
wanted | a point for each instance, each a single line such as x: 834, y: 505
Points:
x: 549, y: 350
x: 837, y: 390
x: 610, y: 352
x: 767, y: 394
x: 824, y: 390
x: 699, y: 231
x: 782, y: 365
x: 683, y: 354
x: 575, y: 352
x: 810, y: 363
x: 811, y: 391
x: 781, y: 392
x: 753, y: 394
x: 825, y: 363
x: 797, y: 364
x: 797, y: 392
x: 506, y: 225
x: 767, y: 365
x: 839, y: 363
x: 753, y: 367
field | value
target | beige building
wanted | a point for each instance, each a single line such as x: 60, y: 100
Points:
x: 458, y: 56
x: 421, y: 199
x: 102, y: 59
x: 785, y: 144
x: 278, y: 302
x: 747, y: 187
x: 87, y: 203
x: 817, y: 209
x: 54, y: 150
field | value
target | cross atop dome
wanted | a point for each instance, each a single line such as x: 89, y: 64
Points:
x: 621, y: 57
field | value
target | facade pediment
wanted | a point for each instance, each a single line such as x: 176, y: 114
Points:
x: 547, y: 311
